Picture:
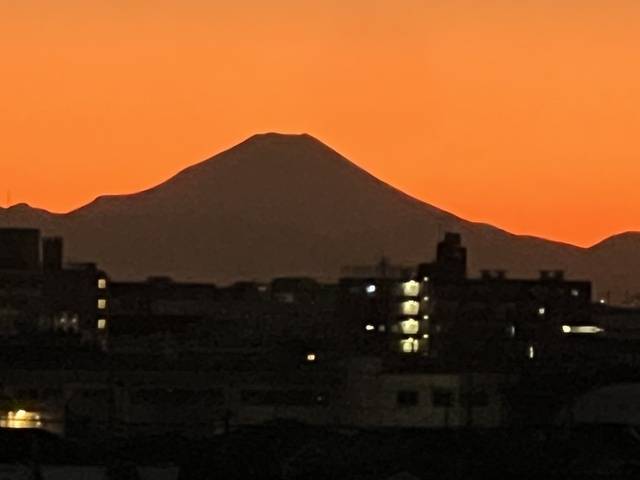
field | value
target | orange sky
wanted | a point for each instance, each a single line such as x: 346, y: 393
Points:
x: 523, y: 114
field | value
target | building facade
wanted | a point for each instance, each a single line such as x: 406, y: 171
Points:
x: 39, y: 293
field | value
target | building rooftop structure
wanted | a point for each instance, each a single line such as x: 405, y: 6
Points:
x: 428, y: 346
x: 42, y: 294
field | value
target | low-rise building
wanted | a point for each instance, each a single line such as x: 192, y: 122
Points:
x: 40, y: 293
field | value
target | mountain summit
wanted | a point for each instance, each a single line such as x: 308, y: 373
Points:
x: 287, y: 205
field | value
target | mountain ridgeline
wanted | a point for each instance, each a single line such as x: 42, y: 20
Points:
x: 279, y: 205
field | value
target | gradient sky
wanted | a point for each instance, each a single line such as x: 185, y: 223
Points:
x: 523, y: 114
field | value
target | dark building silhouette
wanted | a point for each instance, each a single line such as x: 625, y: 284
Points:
x: 495, y: 320
x: 434, y: 315
x: 451, y: 260
x: 159, y: 314
x: 19, y: 249
x: 39, y: 293
x: 455, y: 322
x: 158, y: 305
x: 387, y: 346
x: 52, y: 254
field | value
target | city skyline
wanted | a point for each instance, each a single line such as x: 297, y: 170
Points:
x: 285, y: 239
x: 519, y: 116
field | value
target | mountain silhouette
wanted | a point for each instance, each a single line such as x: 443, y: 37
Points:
x: 278, y: 205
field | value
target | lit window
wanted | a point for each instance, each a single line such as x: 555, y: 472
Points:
x: 602, y: 300
x: 575, y: 292
x: 511, y: 331
x: 410, y: 326
x: 541, y: 311
x: 102, y: 324
x: 406, y: 345
x: 410, y: 307
x: 371, y: 289
x: 581, y: 329
x: 102, y: 303
x: 426, y: 335
x: 368, y: 328
x: 102, y: 283
x: 426, y: 317
x: 411, y: 288
x: 21, y: 419
x: 409, y: 345
x: 426, y: 299
x: 311, y: 357
x: 425, y: 279
x: 531, y: 352
x: 382, y: 328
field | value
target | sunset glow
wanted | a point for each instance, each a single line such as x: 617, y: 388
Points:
x: 519, y: 114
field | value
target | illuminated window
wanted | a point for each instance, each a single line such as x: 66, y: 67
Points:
x: 102, y: 303
x: 588, y: 329
x: 311, y: 357
x: 371, y: 289
x: 511, y: 331
x: 368, y: 328
x: 426, y: 299
x: 426, y: 335
x: 102, y: 283
x: 425, y: 279
x: 382, y: 328
x: 410, y: 326
x: 602, y: 300
x: 541, y: 311
x: 410, y: 307
x: 426, y: 317
x: 409, y: 345
x: 21, y: 419
x: 102, y: 324
x: 406, y: 346
x: 531, y: 353
x: 575, y: 292
x: 411, y: 288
